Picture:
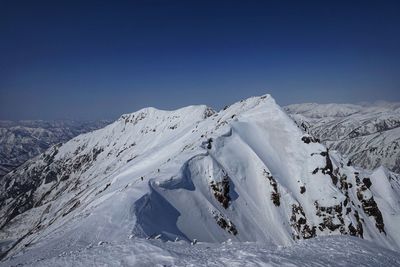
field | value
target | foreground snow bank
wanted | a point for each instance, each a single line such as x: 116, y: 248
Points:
x: 321, y: 251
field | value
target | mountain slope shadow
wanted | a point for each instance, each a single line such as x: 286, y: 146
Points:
x: 156, y: 216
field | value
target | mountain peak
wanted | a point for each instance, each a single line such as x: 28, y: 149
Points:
x: 159, y: 113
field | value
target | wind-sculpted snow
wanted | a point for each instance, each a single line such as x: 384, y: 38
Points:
x: 323, y: 251
x: 246, y: 173
x: 368, y: 135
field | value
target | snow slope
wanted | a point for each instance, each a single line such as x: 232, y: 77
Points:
x: 22, y: 140
x: 368, y: 135
x: 246, y: 173
x: 321, y: 251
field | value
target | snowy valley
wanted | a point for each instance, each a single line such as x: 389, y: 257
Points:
x: 245, y: 185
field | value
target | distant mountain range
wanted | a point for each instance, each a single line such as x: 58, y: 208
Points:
x: 23, y: 140
x: 245, y: 173
x: 368, y: 135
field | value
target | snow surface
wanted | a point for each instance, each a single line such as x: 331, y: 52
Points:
x: 247, y: 174
x: 328, y: 251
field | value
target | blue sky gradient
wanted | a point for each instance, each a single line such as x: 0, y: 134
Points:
x: 99, y: 59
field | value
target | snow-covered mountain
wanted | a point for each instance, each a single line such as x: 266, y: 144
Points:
x: 367, y: 134
x: 245, y: 173
x: 22, y: 140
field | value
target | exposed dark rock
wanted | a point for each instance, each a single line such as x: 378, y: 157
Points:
x: 221, y: 191
x: 298, y: 221
x: 225, y: 223
x: 72, y: 208
x: 328, y: 223
x: 348, y: 210
x: 309, y: 139
x: 121, y: 151
x: 304, y: 127
x: 371, y: 209
x: 332, y: 218
x: 352, y: 230
x: 51, y: 176
x: 309, y: 232
x: 344, y: 185
x: 367, y: 182
x: 302, y: 221
x: 360, y: 231
x: 209, y: 141
x: 96, y: 152
x: 302, y: 189
x: 64, y: 177
x: 275, y: 196
x: 328, y: 169
x: 105, y: 188
x: 208, y: 113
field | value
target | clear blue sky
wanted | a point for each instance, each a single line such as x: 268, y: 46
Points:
x: 99, y: 59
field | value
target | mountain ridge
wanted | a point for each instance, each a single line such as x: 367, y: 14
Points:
x: 245, y: 173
